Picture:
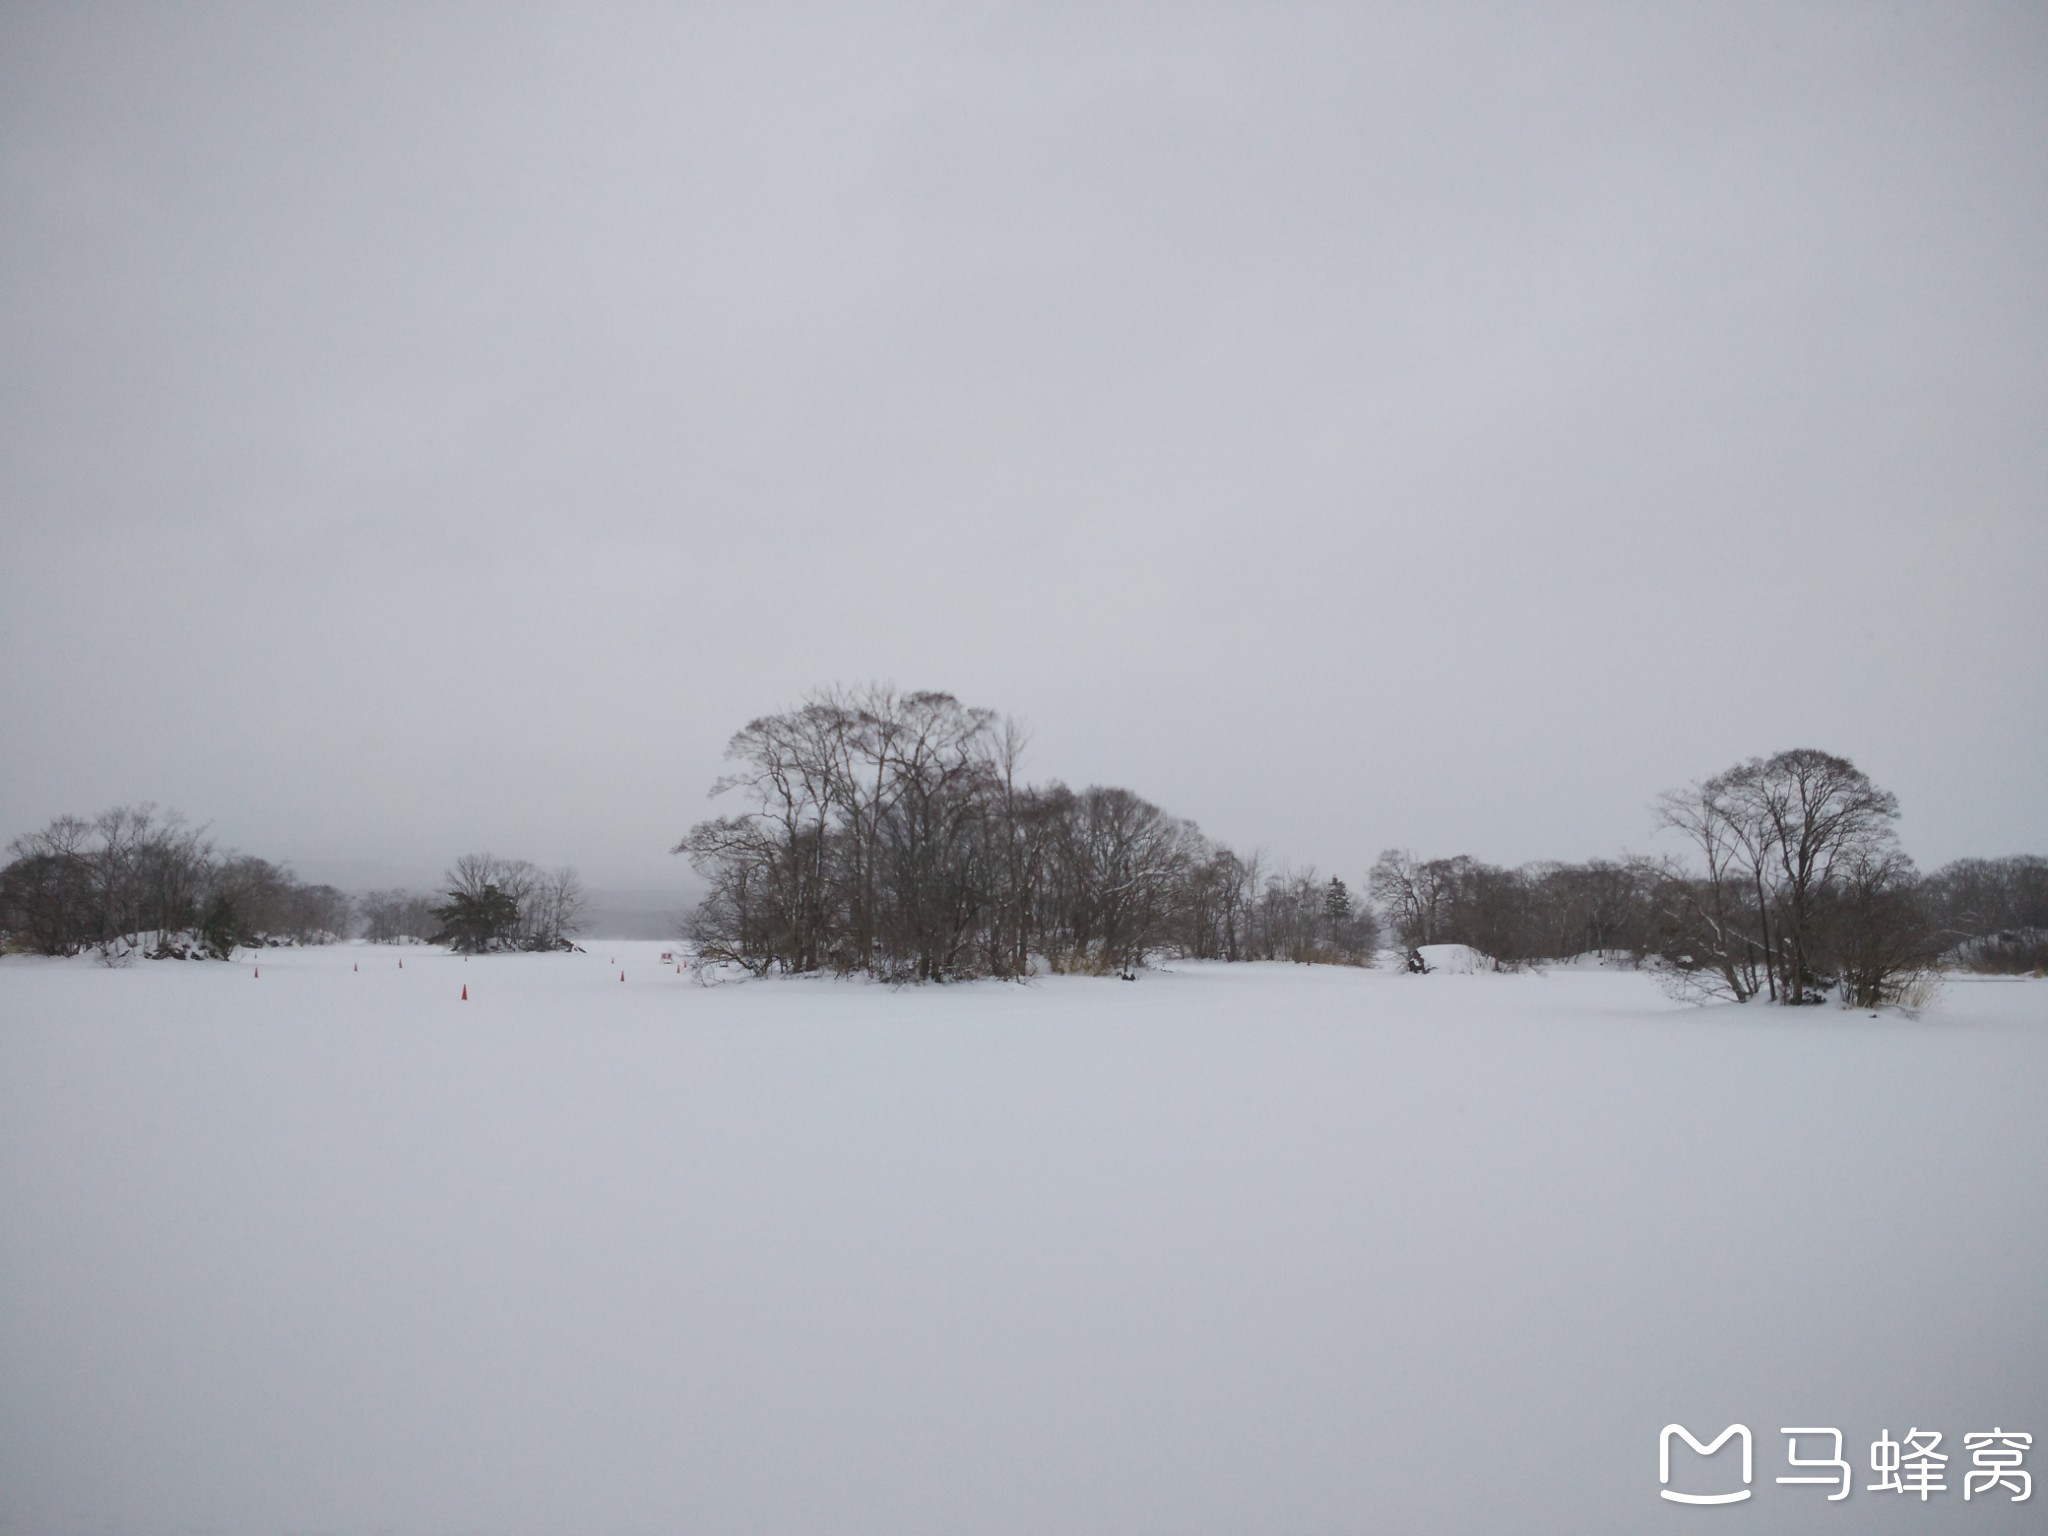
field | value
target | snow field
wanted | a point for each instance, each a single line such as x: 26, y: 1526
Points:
x: 1252, y: 1248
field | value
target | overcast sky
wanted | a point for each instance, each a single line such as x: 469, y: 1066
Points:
x: 439, y: 428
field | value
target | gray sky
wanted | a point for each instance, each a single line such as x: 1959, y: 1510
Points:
x: 440, y: 428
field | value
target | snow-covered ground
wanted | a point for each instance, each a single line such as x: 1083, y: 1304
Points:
x: 1230, y: 1249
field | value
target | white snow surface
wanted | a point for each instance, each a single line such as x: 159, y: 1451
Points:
x: 1230, y: 1249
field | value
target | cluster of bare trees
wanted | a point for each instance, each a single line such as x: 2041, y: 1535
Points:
x: 1800, y: 886
x: 1796, y: 890
x: 265, y: 903
x: 1297, y: 915
x: 1544, y: 911
x: 1992, y: 914
x: 488, y: 903
x: 138, y: 879
x: 397, y: 916
x: 498, y: 904
x: 890, y: 834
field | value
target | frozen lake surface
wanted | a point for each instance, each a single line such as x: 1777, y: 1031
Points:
x: 1230, y: 1249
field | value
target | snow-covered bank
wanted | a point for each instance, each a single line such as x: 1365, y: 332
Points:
x: 1257, y: 1248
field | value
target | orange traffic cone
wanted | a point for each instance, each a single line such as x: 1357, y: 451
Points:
x: 465, y: 991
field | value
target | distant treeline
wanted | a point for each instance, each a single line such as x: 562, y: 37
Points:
x: 1987, y: 915
x: 137, y: 880
x: 889, y: 834
x: 1796, y: 890
x: 1991, y: 914
x: 1538, y: 912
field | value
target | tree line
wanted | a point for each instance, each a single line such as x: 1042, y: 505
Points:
x: 137, y: 880
x: 1520, y: 916
x: 1793, y: 889
x: 1991, y: 914
x: 891, y: 835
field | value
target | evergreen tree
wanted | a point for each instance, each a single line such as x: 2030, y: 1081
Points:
x: 220, y: 930
x: 473, y: 922
x: 1336, y: 904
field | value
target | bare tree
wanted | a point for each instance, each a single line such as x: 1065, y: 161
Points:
x: 390, y: 916
x: 555, y: 909
x: 481, y: 911
x: 500, y: 904
x: 1715, y: 920
x: 1775, y: 834
x: 48, y: 889
x: 1880, y: 938
x: 1821, y: 814
x: 1415, y: 896
x: 137, y: 880
x: 891, y: 833
x: 744, y: 917
x: 1992, y: 914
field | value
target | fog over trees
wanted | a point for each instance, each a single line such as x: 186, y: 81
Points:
x: 396, y: 916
